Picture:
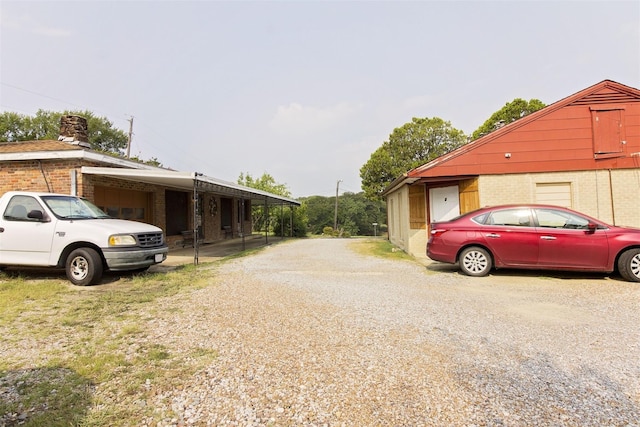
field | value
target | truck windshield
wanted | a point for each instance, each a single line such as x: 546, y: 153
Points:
x: 70, y: 207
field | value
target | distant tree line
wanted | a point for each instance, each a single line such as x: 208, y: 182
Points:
x: 356, y: 213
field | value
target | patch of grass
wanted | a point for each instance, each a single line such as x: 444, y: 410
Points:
x: 99, y: 365
x: 208, y: 353
x: 18, y: 295
x: 380, y: 248
x: 157, y: 352
x: 48, y: 396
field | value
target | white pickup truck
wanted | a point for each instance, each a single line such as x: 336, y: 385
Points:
x: 63, y: 231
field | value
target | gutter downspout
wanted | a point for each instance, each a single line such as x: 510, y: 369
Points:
x: 613, y: 208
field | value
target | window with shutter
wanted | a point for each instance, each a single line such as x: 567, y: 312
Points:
x: 608, y: 131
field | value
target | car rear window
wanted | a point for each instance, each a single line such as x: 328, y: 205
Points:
x: 480, y: 219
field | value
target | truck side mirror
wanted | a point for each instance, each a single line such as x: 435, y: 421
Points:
x: 36, y: 214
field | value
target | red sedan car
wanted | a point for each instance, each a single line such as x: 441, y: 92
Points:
x: 535, y: 237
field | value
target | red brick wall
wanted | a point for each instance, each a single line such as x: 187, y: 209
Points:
x: 33, y: 175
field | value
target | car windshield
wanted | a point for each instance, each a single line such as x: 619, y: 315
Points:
x: 70, y: 207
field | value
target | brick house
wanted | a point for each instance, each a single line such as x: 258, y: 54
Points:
x: 581, y: 152
x: 132, y: 190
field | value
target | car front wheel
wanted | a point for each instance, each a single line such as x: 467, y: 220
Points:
x: 475, y: 261
x: 84, y: 267
x: 629, y: 265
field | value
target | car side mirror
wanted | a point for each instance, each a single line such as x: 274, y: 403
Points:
x: 592, y: 227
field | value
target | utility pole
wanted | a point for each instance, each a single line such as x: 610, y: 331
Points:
x: 335, y: 218
x: 130, y: 136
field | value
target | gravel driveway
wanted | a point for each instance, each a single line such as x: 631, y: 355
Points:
x: 309, y: 332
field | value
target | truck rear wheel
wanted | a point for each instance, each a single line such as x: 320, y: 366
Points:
x: 84, y: 267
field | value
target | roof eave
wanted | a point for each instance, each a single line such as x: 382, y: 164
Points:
x: 402, y: 180
x: 75, y: 154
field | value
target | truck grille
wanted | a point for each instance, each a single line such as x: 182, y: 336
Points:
x: 150, y: 240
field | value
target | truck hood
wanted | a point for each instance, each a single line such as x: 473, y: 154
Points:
x: 113, y: 226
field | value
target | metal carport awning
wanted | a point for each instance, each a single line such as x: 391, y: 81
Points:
x: 192, y: 181
x: 187, y: 181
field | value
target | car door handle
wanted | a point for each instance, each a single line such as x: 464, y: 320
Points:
x: 493, y: 235
x: 547, y: 238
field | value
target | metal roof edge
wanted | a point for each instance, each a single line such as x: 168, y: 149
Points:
x: 75, y: 154
x: 240, y: 187
x: 191, y: 177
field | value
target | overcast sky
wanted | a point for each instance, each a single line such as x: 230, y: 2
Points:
x: 304, y: 90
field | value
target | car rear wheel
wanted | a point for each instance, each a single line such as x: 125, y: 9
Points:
x: 84, y: 267
x: 475, y: 261
x: 629, y: 265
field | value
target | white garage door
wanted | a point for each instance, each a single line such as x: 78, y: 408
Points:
x: 444, y: 203
x: 558, y: 194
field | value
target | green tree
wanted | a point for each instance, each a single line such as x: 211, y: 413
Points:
x: 290, y: 221
x: 46, y: 125
x: 409, y: 146
x: 320, y: 213
x: 511, y: 112
x: 276, y: 219
x: 356, y: 214
x: 265, y: 183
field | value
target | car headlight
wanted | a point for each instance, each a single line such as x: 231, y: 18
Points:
x: 122, y: 240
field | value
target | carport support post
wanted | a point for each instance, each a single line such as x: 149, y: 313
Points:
x: 282, y: 220
x: 195, y: 217
x: 266, y: 222
x: 242, y: 219
x: 290, y: 220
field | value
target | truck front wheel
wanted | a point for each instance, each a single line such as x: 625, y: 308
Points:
x: 84, y: 267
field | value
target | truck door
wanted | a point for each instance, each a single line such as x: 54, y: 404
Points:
x: 25, y: 240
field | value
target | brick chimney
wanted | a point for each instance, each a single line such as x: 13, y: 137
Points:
x: 73, y: 129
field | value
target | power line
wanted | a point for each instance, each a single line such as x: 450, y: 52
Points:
x: 49, y: 97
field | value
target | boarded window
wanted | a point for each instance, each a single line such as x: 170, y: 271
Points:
x: 555, y: 193
x: 608, y: 131
x: 226, y: 213
x: 125, y: 204
x: 417, y: 207
x: 177, y: 212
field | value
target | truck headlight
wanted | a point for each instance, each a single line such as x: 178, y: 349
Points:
x: 122, y: 240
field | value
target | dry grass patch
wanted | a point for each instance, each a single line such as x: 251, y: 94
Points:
x: 80, y: 356
x: 380, y: 248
